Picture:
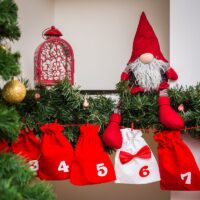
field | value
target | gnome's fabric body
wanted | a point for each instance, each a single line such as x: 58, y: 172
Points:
x: 149, y: 71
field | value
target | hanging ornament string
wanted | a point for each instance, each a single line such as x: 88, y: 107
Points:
x: 148, y: 130
x: 65, y: 125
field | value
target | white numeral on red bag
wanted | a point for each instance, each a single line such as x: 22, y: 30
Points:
x: 102, y: 169
x: 144, y: 172
x: 34, y: 165
x: 63, y: 167
x: 188, y: 177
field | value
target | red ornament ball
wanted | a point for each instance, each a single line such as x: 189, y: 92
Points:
x: 37, y: 96
x: 181, y: 108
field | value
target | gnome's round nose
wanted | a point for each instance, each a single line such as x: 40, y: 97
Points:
x: 146, y: 58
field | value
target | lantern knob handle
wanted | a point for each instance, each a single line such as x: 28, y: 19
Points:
x: 51, y: 32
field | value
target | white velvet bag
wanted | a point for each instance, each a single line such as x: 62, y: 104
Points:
x: 135, y: 162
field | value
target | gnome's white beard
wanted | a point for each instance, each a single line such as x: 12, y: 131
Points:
x: 148, y: 76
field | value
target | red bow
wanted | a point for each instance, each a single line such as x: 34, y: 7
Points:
x: 144, y: 153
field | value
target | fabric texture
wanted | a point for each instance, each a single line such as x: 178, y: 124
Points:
x: 168, y: 116
x: 28, y: 146
x: 4, y: 146
x: 112, y: 136
x: 178, y: 168
x: 145, y: 41
x: 135, y: 162
x: 56, y: 153
x: 91, y: 164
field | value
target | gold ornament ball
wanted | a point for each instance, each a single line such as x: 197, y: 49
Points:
x: 14, y: 91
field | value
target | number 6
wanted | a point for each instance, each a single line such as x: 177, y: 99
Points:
x: 144, y: 172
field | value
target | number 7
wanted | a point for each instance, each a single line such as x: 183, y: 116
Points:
x: 188, y: 177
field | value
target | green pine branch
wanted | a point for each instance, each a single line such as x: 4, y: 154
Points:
x: 10, y: 123
x: 142, y: 109
x: 63, y: 102
x: 17, y: 181
x: 8, y: 191
x: 8, y: 20
x: 9, y: 64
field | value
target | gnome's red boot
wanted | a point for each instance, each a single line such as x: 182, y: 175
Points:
x: 112, y: 135
x: 168, y: 117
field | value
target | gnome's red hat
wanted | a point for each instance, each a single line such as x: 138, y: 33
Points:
x: 145, y: 41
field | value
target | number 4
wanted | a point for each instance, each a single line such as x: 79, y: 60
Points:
x: 188, y: 177
x: 63, y: 167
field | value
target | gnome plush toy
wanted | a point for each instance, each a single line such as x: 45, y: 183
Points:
x: 149, y: 71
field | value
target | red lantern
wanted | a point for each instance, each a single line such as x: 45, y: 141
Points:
x: 54, y: 59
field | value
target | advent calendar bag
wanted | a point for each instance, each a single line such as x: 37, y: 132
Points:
x: 91, y: 164
x: 4, y: 146
x: 135, y: 162
x: 28, y: 146
x: 56, y: 153
x: 178, y: 169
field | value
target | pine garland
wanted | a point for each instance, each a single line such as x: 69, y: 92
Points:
x: 63, y: 103
x: 142, y: 109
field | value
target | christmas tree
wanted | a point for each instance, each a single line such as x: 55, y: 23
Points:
x: 16, y: 179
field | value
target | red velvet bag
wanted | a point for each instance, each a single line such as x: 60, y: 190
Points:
x: 177, y: 165
x: 56, y: 153
x: 91, y: 164
x: 4, y: 146
x: 28, y: 146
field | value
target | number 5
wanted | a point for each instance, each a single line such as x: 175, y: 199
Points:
x: 101, y: 169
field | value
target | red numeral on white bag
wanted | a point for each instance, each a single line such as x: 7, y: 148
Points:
x: 144, y: 172
x: 188, y: 176
x: 63, y: 167
x: 34, y: 165
x: 102, y: 169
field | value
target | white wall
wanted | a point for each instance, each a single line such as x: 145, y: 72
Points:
x: 101, y: 34
x: 185, y: 39
x: 184, y: 55
x: 34, y: 17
